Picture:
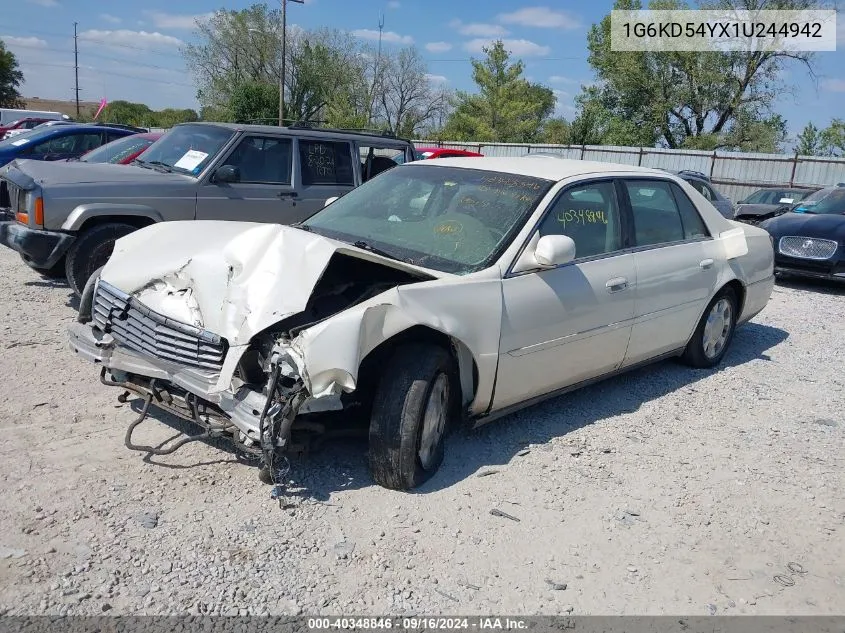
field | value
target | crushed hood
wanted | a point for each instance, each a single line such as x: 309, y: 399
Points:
x: 47, y: 173
x: 234, y: 279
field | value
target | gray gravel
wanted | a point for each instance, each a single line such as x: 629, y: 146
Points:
x: 667, y: 490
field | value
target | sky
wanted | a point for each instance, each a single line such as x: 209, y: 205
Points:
x: 130, y: 50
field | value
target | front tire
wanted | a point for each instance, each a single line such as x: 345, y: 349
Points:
x: 714, y: 332
x: 416, y: 401
x: 92, y: 250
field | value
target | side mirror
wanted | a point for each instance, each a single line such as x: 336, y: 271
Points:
x: 227, y: 173
x: 554, y: 250
x: 330, y: 200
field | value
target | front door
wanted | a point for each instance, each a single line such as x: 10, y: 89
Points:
x: 571, y: 323
x: 264, y: 191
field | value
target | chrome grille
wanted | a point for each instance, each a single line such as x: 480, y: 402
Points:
x: 12, y: 196
x: 806, y: 247
x: 136, y: 326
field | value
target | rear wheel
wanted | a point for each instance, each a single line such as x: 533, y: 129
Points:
x: 416, y: 401
x: 57, y: 271
x: 90, y: 251
x: 714, y: 332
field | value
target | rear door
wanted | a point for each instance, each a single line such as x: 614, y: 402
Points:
x: 264, y: 192
x: 325, y: 169
x: 677, y: 265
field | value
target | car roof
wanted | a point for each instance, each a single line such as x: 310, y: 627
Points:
x: 310, y: 131
x: 547, y: 167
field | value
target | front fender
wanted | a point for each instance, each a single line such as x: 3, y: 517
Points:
x: 85, y: 212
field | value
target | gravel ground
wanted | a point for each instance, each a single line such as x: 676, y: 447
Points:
x: 667, y: 490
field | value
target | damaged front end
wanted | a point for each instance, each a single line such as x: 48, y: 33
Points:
x: 251, y: 388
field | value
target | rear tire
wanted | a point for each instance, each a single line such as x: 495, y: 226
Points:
x: 714, y: 332
x: 56, y: 272
x: 92, y: 250
x: 416, y: 401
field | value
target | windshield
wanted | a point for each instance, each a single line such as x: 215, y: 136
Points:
x: 444, y: 218
x: 24, y: 138
x: 188, y: 148
x: 774, y: 196
x: 831, y: 200
x: 118, y: 150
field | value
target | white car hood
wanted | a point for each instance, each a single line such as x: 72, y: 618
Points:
x: 231, y: 278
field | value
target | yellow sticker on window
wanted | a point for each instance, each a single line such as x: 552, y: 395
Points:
x: 450, y: 227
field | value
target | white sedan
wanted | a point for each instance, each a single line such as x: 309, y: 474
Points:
x: 439, y: 292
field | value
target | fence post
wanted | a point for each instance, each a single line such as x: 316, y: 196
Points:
x: 640, y: 159
x: 528, y: 149
x: 712, y: 164
x: 794, y: 167
x: 583, y: 149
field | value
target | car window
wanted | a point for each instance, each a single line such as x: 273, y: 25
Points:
x: 694, y: 226
x: 263, y: 159
x: 589, y: 214
x: 701, y: 188
x: 375, y: 159
x: 657, y: 219
x: 326, y: 162
x: 57, y: 145
x: 30, y: 124
x: 87, y: 142
x: 117, y: 151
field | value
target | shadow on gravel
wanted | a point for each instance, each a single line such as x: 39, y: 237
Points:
x: 819, y: 286
x: 341, y: 465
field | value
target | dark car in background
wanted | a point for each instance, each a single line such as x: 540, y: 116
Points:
x: 766, y: 203
x: 702, y: 184
x: 809, y: 239
x: 122, y: 151
x: 57, y: 142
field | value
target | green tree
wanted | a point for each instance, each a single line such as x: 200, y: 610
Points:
x: 557, y: 131
x: 833, y: 138
x: 254, y: 101
x: 10, y: 79
x: 507, y: 108
x: 809, y: 141
x: 702, y: 99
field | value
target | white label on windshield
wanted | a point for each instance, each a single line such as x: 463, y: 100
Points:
x: 787, y: 200
x: 22, y: 141
x: 191, y: 159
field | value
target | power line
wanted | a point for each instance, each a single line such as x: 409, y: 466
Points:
x: 76, y: 67
x: 115, y: 74
x: 98, y: 56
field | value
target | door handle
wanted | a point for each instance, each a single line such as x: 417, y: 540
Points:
x: 706, y: 263
x: 616, y: 284
x: 287, y: 194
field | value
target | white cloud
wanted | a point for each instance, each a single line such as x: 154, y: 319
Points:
x: 558, y: 79
x: 541, y: 17
x: 437, y: 79
x: 176, y: 21
x: 133, y: 39
x: 387, y: 36
x: 394, y: 4
x: 44, y: 3
x: 520, y: 48
x: 438, y: 47
x: 833, y: 85
x: 23, y: 42
x: 112, y: 19
x: 560, y: 94
x: 478, y: 29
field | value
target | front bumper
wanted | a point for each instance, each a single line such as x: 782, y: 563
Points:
x: 42, y: 248
x: 135, y: 371
x: 829, y: 269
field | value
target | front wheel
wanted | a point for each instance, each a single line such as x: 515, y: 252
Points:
x: 90, y: 251
x: 714, y: 332
x: 416, y: 401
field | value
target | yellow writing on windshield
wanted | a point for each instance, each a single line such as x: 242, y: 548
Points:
x: 581, y: 216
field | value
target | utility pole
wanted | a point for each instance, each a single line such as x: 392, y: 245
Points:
x: 284, y: 58
x: 76, y: 68
x: 377, y: 70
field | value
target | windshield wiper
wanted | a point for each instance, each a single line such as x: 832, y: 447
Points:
x: 141, y: 163
x: 157, y: 163
x: 377, y: 251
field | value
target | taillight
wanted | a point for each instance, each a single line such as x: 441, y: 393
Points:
x: 39, y: 211
x: 22, y: 217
